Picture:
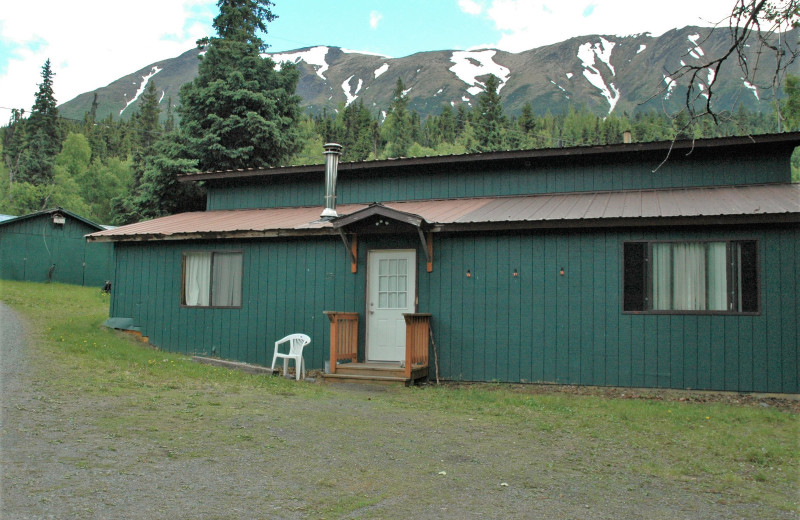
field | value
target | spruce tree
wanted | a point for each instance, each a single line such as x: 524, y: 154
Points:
x: 397, y: 126
x: 146, y: 133
x: 239, y: 111
x: 43, y: 133
x: 489, y: 119
x: 14, y: 147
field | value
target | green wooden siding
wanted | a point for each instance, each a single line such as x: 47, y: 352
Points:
x: 537, y: 327
x: 29, y: 248
x: 703, y: 168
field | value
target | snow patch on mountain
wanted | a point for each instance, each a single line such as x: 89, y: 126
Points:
x: 587, y: 53
x: 560, y: 88
x: 569, y: 75
x: 142, y: 86
x: 695, y: 52
x: 380, y: 70
x: 314, y: 56
x: 753, y: 88
x: 469, y: 65
x: 642, y: 47
x: 602, y: 50
x: 346, y: 89
x: 670, y: 85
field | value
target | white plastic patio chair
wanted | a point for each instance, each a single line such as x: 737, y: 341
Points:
x: 296, y: 344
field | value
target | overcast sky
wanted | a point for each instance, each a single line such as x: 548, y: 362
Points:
x: 93, y: 42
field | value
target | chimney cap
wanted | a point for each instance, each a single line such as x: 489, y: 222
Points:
x: 332, y: 148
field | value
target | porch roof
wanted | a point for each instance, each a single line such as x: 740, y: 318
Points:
x: 684, y: 206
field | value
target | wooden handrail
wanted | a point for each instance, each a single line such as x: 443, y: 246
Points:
x: 417, y: 340
x: 344, y: 337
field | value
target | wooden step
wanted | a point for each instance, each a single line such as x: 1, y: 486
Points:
x: 371, y: 370
x: 364, y: 378
x: 378, y: 372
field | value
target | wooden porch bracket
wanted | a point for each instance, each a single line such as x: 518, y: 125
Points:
x: 426, y: 240
x: 352, y: 249
x: 344, y: 337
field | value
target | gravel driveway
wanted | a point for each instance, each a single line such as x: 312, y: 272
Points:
x: 344, y: 455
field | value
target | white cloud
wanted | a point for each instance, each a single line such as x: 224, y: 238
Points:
x: 374, y: 19
x: 91, y: 43
x: 470, y: 7
x: 526, y: 24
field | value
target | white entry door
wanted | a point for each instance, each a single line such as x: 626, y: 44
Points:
x: 391, y: 291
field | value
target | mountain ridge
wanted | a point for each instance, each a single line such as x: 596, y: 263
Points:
x: 605, y: 73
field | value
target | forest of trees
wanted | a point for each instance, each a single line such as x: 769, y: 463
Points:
x: 121, y: 171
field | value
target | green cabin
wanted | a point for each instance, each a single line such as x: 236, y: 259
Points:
x: 50, y: 246
x: 658, y: 265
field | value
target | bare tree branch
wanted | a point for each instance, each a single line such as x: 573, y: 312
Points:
x: 757, y: 46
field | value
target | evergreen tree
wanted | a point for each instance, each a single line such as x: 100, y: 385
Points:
x: 43, y: 133
x: 14, y: 146
x: 146, y: 131
x: 397, y: 127
x: 489, y: 119
x: 169, y: 121
x: 239, y: 111
x: 160, y: 193
x: 526, y: 121
x: 790, y: 106
x: 356, y: 132
x: 446, y: 126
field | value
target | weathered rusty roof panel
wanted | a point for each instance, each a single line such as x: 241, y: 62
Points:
x: 575, y: 208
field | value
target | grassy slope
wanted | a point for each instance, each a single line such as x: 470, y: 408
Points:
x: 185, y: 411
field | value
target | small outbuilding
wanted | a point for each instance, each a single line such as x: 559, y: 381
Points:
x: 659, y: 265
x: 50, y: 246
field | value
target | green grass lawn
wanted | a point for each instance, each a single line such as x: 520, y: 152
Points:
x: 739, y: 454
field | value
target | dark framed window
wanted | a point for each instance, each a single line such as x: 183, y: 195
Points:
x: 212, y: 279
x: 691, y: 277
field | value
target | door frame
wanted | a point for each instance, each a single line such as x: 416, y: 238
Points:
x: 413, y: 294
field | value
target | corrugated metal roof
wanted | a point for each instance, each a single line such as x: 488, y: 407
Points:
x: 579, y: 209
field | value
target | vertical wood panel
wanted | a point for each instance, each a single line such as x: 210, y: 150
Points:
x: 480, y: 358
x: 550, y: 310
x: 574, y: 314
x: 518, y: 345
x: 689, y: 337
x: 538, y: 297
x: 600, y: 311
x: 704, y: 352
x: 617, y: 362
x: 731, y: 349
x: 586, y: 291
x: 665, y: 347
x: 771, y: 300
x: 789, y: 309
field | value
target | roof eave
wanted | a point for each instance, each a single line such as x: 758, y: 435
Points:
x: 212, y: 235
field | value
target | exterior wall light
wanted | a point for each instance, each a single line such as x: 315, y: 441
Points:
x: 469, y: 275
x: 515, y: 274
x: 562, y: 272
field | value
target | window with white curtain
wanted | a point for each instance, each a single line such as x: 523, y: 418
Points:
x: 212, y: 279
x: 710, y: 276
